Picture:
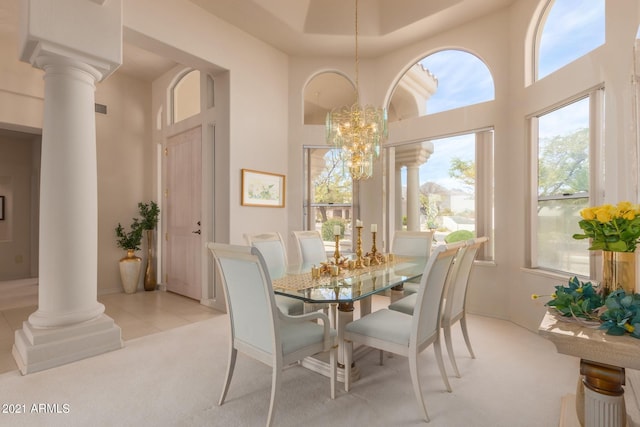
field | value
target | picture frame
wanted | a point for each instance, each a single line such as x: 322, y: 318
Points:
x: 1, y: 208
x: 263, y: 189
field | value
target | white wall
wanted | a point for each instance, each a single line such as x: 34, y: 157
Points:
x: 502, y: 288
x: 258, y: 90
x: 265, y: 131
x: 126, y: 158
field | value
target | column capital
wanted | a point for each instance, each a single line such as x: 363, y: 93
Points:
x: 51, y: 61
x: 413, y: 154
x: 88, y: 32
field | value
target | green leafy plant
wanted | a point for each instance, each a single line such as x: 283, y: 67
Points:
x: 129, y: 240
x: 149, y: 213
x: 611, y: 228
x: 577, y: 299
x: 622, y: 314
x: 327, y: 229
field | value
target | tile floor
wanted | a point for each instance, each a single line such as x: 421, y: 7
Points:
x: 139, y: 314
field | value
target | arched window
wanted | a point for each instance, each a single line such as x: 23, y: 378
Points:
x: 442, y: 81
x: 186, y: 96
x: 568, y: 29
x: 324, y: 92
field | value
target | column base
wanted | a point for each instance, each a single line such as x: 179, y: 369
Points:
x: 37, y: 349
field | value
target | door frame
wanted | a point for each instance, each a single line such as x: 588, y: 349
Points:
x: 211, y: 161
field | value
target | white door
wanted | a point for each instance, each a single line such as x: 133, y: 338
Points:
x: 183, y: 203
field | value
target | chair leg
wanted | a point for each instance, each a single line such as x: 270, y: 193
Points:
x: 230, y: 367
x: 438, y: 350
x: 417, y: 389
x: 449, y: 344
x: 275, y: 383
x: 465, y: 334
x: 348, y: 355
x: 332, y: 363
x: 381, y: 357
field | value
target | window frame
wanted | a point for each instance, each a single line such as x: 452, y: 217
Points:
x: 596, y: 170
x: 484, y: 191
x: 307, y: 204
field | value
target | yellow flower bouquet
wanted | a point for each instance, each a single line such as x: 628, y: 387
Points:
x: 611, y: 228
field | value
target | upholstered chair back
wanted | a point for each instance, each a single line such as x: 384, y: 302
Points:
x: 426, y: 315
x: 310, y: 247
x: 273, y: 250
x: 250, y: 299
x: 412, y: 243
x: 457, y: 290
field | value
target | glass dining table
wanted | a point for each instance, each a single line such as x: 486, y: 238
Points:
x: 341, y: 291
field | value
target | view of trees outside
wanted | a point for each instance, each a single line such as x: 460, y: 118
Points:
x: 563, y: 187
x: 332, y: 198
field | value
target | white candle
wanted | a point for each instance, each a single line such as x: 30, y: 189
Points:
x: 374, y: 228
x: 358, y: 223
x: 336, y: 230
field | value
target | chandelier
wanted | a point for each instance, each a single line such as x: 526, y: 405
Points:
x: 357, y: 130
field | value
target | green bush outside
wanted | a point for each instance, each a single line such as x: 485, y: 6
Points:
x: 459, y: 236
x: 327, y: 229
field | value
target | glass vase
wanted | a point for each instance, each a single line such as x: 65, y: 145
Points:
x: 618, y: 271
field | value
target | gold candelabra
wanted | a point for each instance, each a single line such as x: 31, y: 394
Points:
x: 359, y: 248
x: 373, y: 247
x: 336, y: 254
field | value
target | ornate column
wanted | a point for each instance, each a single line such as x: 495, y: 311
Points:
x: 413, y: 156
x: 398, y: 199
x: 70, y: 323
x: 413, y: 197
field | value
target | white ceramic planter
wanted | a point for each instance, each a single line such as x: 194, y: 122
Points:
x: 130, y: 267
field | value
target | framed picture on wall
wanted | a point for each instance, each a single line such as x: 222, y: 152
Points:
x: 1, y: 208
x: 262, y: 189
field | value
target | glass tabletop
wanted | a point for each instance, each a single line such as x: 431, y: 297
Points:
x: 349, y: 285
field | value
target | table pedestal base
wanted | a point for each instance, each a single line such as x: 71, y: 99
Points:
x: 601, y: 402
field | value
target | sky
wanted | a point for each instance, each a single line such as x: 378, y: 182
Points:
x: 563, y: 41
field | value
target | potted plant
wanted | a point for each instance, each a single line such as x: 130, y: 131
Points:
x: 149, y: 213
x: 130, y: 264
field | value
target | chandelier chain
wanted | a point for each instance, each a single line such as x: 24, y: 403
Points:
x: 357, y: 59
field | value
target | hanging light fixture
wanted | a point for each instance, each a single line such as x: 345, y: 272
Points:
x: 357, y: 130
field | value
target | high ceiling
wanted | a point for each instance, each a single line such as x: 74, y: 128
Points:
x: 327, y: 27
x: 314, y: 27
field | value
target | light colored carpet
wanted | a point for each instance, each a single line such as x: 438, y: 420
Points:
x: 174, y: 378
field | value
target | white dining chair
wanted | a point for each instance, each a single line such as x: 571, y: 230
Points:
x: 273, y: 250
x: 309, y: 247
x: 455, y: 297
x: 258, y: 328
x: 413, y: 244
x: 403, y: 334
x: 310, y: 251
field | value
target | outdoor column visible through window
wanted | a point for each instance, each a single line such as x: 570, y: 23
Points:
x: 452, y: 173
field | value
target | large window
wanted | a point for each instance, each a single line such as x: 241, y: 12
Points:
x: 568, y: 29
x: 441, y: 82
x: 446, y: 185
x: 328, y: 196
x: 565, y: 138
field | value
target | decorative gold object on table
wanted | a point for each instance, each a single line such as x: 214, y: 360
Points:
x: 375, y: 257
x: 374, y: 230
x: 359, y: 261
x: 337, y: 231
